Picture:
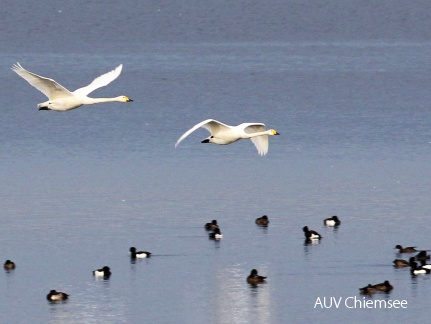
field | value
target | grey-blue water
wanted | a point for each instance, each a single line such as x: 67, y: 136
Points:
x: 77, y: 189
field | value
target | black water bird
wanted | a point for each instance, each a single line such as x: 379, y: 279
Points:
x: 262, y: 221
x: 254, y: 278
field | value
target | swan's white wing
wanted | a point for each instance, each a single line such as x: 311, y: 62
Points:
x: 99, y: 82
x: 261, y: 142
x: 212, y: 125
x: 254, y: 127
x: 48, y: 87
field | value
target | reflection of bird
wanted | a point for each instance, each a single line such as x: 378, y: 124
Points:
x: 56, y: 296
x: 216, y: 234
x: 399, y: 263
x: 310, y: 234
x: 264, y: 221
x: 332, y: 221
x: 384, y: 286
x: 62, y: 99
x: 211, y: 226
x: 139, y: 254
x: 223, y: 134
x: 254, y: 278
x: 9, y: 265
x: 105, y: 272
x: 409, y: 249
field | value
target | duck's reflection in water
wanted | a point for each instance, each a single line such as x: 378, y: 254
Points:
x: 236, y: 301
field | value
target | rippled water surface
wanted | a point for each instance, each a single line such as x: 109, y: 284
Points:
x: 81, y: 187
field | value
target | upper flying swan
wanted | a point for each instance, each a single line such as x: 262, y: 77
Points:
x: 60, y: 98
x: 224, y: 134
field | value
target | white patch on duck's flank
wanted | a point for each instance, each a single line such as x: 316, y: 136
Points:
x: 420, y: 271
x: 57, y: 296
x: 98, y: 273
x: 104, y: 272
x: 330, y: 222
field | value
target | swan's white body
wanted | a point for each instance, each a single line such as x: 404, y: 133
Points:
x: 223, y: 134
x: 60, y: 98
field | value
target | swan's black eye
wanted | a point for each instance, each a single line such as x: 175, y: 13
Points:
x: 212, y: 136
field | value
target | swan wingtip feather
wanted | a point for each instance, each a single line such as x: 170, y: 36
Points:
x: 16, y: 66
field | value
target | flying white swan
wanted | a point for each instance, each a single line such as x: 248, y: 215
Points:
x: 60, y: 98
x: 223, y: 134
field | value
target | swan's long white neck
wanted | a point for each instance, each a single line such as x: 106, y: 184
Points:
x: 91, y: 101
x: 250, y: 135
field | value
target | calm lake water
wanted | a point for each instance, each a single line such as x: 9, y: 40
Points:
x: 81, y: 187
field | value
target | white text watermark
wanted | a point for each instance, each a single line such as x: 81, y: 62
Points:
x: 358, y: 302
